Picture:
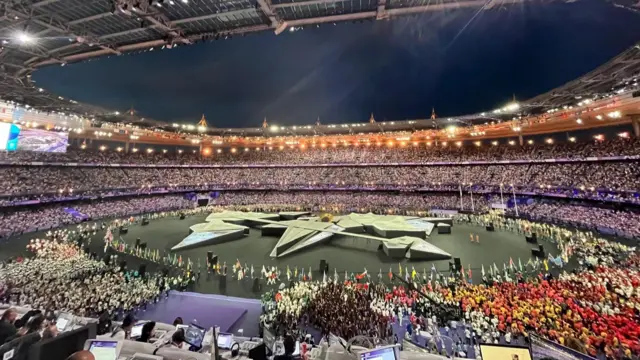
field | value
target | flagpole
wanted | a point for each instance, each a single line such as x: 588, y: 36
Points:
x: 473, y: 209
x: 460, y: 187
x: 515, y: 201
x: 501, y: 197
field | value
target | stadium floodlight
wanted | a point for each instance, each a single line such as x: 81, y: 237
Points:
x: 185, y: 1
x: 24, y: 38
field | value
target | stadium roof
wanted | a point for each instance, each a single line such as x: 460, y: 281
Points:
x: 37, y: 33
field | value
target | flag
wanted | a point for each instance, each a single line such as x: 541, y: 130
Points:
x: 413, y: 273
x: 399, y: 269
x: 482, y: 271
x: 424, y: 275
x: 546, y: 265
x: 295, y: 272
x: 335, y: 276
x: 310, y: 276
x: 288, y: 272
x: 252, y: 270
x: 324, y: 277
x: 495, y: 268
x: 469, y: 272
x: 462, y: 271
x: 390, y: 275
x: 433, y: 267
x: 519, y: 265
x: 511, y: 264
x: 362, y: 275
x: 346, y: 276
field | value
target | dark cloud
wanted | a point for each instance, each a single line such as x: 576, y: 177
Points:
x: 396, y: 69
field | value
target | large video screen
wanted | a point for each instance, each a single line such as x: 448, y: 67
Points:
x: 9, y: 136
x: 42, y: 140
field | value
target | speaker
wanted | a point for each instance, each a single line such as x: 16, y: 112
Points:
x: 142, y: 270
x: 457, y: 263
x: 145, y: 221
x: 539, y: 252
x: 137, y: 242
x: 257, y: 287
x: 324, y: 267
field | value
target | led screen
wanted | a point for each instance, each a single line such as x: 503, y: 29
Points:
x: 42, y: 140
x: 9, y: 136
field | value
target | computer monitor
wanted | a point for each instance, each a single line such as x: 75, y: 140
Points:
x: 104, y: 349
x: 194, y: 335
x: 382, y: 353
x: 63, y: 345
x: 225, y: 340
x: 182, y: 326
x: 136, y: 330
x: 504, y: 352
x: 63, y: 321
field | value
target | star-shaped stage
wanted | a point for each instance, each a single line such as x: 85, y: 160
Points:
x: 397, y: 236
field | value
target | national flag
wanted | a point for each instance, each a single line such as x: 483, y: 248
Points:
x: 511, y: 264
x: 413, y: 273
x: 390, y: 275
x: 399, y: 269
x: 482, y: 271
x: 324, y: 277
x: 310, y: 276
x: 546, y: 265
x: 519, y: 264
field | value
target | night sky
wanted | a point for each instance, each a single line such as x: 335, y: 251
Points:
x: 396, y: 69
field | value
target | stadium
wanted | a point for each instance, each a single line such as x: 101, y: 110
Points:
x: 509, y: 233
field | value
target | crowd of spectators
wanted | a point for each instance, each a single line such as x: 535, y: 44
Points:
x: 617, y: 221
x: 614, y: 180
x: 401, y: 151
x: 52, y: 216
x: 622, y: 222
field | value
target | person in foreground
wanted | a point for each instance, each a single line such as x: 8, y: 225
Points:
x: 7, y: 327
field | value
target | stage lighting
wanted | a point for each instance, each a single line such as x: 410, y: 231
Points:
x: 24, y: 38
